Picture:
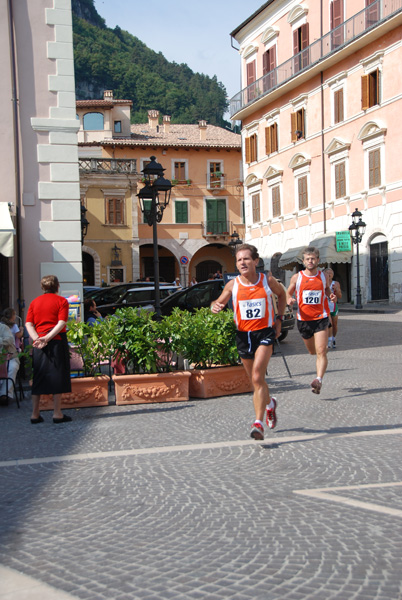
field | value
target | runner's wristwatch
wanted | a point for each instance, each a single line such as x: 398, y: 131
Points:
x: 280, y: 317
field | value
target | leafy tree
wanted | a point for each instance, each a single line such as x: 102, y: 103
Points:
x: 115, y: 59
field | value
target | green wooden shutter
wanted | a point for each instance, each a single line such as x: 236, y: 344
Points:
x: 181, y: 211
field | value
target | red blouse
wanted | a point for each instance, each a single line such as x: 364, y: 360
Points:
x: 46, y: 311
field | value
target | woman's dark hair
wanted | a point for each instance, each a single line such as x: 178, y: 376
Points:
x: 50, y: 284
x: 6, y: 316
x: 88, y: 303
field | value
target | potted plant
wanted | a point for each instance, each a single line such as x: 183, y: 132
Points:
x: 89, y: 347
x: 208, y: 342
x: 146, y: 347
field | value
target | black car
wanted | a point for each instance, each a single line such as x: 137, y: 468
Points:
x: 138, y: 297
x: 112, y: 293
x: 202, y: 294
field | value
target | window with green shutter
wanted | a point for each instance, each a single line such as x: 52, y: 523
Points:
x: 147, y: 206
x: 181, y: 211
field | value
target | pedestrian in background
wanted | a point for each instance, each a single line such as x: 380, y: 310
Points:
x: 10, y: 356
x: 9, y: 317
x: 333, y: 306
x: 91, y: 313
x: 46, y: 324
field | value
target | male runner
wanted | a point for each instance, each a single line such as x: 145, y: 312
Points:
x: 257, y: 328
x: 312, y: 293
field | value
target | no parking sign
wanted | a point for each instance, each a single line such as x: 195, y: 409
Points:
x: 184, y: 260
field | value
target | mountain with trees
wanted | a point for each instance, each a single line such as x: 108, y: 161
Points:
x: 114, y: 59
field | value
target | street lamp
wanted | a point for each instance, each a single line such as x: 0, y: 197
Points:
x: 234, y: 242
x: 154, y: 198
x: 357, y: 229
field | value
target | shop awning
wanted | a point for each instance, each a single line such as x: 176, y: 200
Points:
x: 328, y: 254
x: 7, y: 231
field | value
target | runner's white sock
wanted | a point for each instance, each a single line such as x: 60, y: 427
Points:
x: 319, y: 379
x: 260, y: 422
x: 271, y: 404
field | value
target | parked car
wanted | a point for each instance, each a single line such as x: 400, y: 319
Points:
x: 137, y: 297
x: 112, y: 293
x: 202, y: 294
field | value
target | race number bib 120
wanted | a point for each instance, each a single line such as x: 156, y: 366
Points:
x: 312, y: 296
x: 252, y: 309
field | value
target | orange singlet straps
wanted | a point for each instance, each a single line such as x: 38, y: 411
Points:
x: 252, y: 305
x: 311, y: 298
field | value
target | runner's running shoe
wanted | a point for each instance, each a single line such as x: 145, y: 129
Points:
x: 316, y: 386
x: 334, y: 343
x: 271, y: 415
x: 257, y: 432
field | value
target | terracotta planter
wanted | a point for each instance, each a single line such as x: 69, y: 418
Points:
x: 154, y: 387
x: 219, y: 381
x: 86, y: 391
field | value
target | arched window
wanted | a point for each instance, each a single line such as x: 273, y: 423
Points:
x: 93, y: 121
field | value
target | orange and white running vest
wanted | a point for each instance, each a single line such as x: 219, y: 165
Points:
x: 252, y: 305
x: 311, y: 298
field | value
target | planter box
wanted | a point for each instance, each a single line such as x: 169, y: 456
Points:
x: 85, y: 391
x: 219, y: 381
x: 154, y: 387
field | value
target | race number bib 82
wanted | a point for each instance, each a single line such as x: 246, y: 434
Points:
x: 312, y: 296
x: 252, y: 309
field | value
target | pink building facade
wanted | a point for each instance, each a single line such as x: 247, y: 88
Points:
x: 39, y: 163
x: 319, y: 107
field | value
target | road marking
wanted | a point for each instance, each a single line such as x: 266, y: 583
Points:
x: 277, y: 441
x: 325, y: 494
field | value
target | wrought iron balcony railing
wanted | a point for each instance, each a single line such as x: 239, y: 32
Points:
x: 108, y: 165
x: 214, y: 228
x: 367, y: 19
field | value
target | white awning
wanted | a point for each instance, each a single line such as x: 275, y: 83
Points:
x: 326, y: 244
x: 7, y: 231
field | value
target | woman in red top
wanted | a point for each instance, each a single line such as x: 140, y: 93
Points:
x: 46, y: 324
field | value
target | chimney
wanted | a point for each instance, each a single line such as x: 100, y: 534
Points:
x: 203, y: 130
x: 166, y: 123
x: 153, y: 118
x: 108, y: 95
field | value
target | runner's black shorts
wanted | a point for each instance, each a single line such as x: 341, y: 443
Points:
x: 309, y: 328
x: 248, y: 341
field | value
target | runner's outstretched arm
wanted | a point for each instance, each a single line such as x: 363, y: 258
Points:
x: 220, y: 303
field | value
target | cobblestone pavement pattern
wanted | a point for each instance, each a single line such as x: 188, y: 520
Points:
x: 174, y: 501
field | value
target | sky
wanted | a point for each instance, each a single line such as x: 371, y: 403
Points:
x: 194, y: 32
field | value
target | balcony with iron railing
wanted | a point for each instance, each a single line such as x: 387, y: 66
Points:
x: 108, y: 165
x: 216, y: 181
x: 338, y: 38
x: 219, y: 228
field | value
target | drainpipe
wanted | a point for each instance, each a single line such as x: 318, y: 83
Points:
x: 14, y: 99
x: 324, y: 216
x: 323, y: 155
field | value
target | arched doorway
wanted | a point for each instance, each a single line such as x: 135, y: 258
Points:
x: 205, y: 268
x: 88, y: 274
x: 379, y: 267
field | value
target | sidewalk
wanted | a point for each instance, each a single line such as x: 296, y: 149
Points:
x: 372, y: 308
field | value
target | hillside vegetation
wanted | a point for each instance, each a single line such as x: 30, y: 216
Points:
x: 116, y: 60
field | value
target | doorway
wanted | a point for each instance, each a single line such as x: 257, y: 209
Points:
x: 379, y: 268
x: 88, y: 270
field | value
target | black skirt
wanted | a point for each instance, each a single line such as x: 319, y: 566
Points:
x: 51, y: 368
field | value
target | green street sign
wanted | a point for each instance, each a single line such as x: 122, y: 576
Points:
x: 343, y: 242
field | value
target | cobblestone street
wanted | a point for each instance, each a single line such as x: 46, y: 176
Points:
x: 175, y: 501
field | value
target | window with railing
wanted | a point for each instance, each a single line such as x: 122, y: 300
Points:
x: 215, y: 175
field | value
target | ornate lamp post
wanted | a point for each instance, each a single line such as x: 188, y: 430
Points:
x: 234, y: 242
x: 154, y: 198
x: 357, y: 229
